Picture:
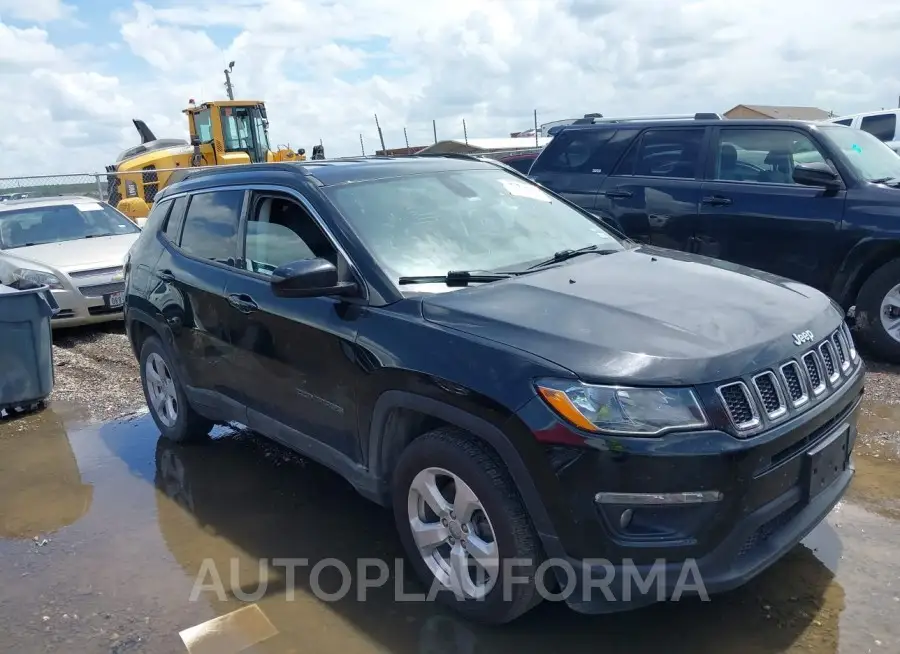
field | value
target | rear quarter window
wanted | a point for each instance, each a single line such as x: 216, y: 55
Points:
x: 579, y: 151
x: 881, y: 126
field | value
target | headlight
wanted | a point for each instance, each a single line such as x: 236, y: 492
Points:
x: 37, y: 277
x: 130, y: 189
x: 621, y: 410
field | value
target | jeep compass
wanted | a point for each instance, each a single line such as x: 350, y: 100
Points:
x: 544, y: 407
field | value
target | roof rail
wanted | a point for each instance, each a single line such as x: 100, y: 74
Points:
x: 635, y: 119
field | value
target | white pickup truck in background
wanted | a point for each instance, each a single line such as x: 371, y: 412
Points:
x: 883, y: 124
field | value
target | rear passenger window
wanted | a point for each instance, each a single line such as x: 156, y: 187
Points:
x: 671, y: 153
x: 176, y: 219
x: 882, y: 126
x: 211, y: 226
x: 576, y: 151
x: 846, y: 121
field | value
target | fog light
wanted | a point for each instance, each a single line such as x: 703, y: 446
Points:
x: 625, y: 518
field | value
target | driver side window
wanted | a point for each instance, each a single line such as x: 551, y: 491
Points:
x: 763, y: 155
x: 280, y: 231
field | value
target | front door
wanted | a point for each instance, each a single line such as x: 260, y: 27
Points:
x: 653, y: 194
x: 753, y: 213
x: 297, y: 369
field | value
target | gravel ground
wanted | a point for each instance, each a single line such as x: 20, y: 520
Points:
x: 96, y: 371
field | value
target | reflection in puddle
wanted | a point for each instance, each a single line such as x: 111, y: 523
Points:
x: 159, y: 511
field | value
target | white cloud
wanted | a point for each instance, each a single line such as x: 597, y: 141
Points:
x: 36, y: 10
x: 325, y: 68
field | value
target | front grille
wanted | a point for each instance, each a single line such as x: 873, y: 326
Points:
x: 814, y: 370
x: 99, y: 290
x: 770, y: 394
x: 96, y: 272
x: 739, y: 404
x: 102, y: 311
x: 793, y: 381
x: 791, y: 385
x: 769, y: 529
x: 63, y: 313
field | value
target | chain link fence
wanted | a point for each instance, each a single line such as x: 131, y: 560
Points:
x: 41, y: 186
x: 112, y: 186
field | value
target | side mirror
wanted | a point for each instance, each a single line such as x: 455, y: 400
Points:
x: 817, y: 174
x: 301, y: 151
x: 309, y: 278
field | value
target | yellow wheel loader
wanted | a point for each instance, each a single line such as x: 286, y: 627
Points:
x: 222, y: 133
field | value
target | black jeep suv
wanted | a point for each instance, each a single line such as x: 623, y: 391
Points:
x: 815, y: 203
x: 526, y: 391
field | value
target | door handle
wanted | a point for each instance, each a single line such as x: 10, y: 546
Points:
x: 716, y: 200
x: 165, y: 275
x: 618, y: 193
x: 242, y: 302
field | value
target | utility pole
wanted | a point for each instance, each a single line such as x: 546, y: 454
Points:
x: 535, y: 129
x: 465, y: 133
x: 434, y: 127
x: 228, y: 86
x: 406, y: 138
x: 380, y: 135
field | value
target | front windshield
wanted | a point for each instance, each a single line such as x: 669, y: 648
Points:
x: 482, y: 220
x: 61, y: 222
x: 869, y: 157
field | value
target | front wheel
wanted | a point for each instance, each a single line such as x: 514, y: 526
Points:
x: 460, y: 518
x: 878, y: 312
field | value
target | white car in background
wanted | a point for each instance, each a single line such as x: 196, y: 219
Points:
x: 76, y: 246
x: 884, y: 125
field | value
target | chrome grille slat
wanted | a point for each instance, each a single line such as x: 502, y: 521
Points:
x: 95, y: 273
x: 792, y: 385
x: 769, y: 392
x: 794, y: 382
x: 739, y: 404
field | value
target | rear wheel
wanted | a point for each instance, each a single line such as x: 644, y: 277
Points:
x: 166, y: 399
x: 878, y: 312
x: 460, y: 517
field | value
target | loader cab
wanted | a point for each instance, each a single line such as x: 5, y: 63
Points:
x: 231, y: 132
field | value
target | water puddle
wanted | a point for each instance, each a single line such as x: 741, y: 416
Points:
x: 137, y: 531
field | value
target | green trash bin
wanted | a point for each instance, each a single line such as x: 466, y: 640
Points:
x: 26, y: 345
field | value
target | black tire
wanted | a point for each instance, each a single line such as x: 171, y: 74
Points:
x: 478, y: 466
x: 871, y: 333
x: 189, y: 426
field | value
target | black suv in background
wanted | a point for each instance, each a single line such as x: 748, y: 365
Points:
x: 517, y: 383
x: 816, y: 203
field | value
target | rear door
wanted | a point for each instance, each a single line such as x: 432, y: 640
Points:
x: 653, y: 194
x: 754, y: 214
x: 191, y: 274
x: 575, y: 163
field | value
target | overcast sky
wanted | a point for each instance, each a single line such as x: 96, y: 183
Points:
x: 74, y: 74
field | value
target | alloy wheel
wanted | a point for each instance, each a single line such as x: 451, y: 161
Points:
x: 453, y: 533
x: 161, y: 389
x: 890, y: 313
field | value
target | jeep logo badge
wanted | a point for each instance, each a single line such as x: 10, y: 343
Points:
x: 803, y: 337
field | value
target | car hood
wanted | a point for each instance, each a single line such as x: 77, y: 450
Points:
x: 71, y: 256
x: 643, y: 316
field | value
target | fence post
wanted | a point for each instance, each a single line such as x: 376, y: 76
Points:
x: 99, y: 188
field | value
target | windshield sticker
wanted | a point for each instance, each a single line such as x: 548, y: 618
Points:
x: 88, y: 206
x: 856, y: 148
x: 524, y: 190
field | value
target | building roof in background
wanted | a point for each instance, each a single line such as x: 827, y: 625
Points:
x: 785, y: 113
x: 474, y: 146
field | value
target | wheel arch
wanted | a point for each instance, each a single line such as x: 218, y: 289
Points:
x: 861, y: 261
x: 386, y: 443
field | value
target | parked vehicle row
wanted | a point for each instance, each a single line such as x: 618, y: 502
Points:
x: 489, y: 360
x: 814, y: 203
x: 76, y: 246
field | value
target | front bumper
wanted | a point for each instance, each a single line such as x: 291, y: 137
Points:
x: 87, y: 305
x: 773, y: 495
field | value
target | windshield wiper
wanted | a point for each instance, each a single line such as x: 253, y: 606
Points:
x: 457, y: 278
x: 565, y: 255
x: 890, y: 181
